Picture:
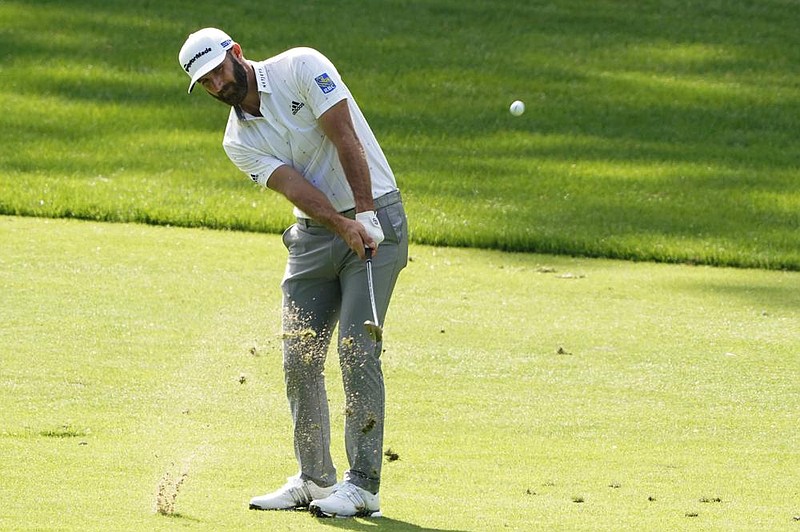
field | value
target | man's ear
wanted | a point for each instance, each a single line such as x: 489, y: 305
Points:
x: 237, y: 50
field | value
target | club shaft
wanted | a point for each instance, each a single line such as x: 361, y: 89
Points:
x: 371, y: 288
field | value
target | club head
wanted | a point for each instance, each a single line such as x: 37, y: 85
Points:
x: 374, y: 330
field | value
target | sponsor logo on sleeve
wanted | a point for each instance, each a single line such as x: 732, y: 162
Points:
x: 325, y: 83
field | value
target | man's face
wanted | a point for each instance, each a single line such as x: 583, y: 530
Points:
x: 228, y: 82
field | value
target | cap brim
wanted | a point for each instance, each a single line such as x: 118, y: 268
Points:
x: 205, y: 69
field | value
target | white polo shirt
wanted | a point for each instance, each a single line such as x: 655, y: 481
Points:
x: 296, y: 87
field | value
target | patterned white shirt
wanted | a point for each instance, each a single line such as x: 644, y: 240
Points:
x: 296, y: 88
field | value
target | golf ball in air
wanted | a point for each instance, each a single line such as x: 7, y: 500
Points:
x: 517, y: 108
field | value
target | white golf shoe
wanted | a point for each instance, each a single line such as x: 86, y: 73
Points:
x: 347, y: 500
x: 296, y: 494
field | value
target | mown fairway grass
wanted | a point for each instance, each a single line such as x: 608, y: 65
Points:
x: 655, y: 130
x: 526, y: 392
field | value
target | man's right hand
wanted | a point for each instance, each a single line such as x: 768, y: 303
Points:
x: 356, y: 237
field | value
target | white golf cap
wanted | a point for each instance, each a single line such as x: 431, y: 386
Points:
x: 203, y: 51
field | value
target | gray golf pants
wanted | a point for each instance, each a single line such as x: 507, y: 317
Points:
x: 325, y: 284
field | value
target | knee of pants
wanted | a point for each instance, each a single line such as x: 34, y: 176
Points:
x: 361, y: 370
x: 359, y: 351
x: 303, y: 359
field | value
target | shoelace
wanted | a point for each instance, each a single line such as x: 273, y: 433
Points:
x: 350, y: 491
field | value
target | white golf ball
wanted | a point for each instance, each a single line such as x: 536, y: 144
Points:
x: 517, y: 108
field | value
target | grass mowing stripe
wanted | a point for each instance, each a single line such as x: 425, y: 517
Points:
x: 654, y: 131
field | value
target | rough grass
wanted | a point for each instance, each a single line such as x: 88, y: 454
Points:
x: 657, y: 130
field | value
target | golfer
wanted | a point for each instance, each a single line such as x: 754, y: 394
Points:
x: 295, y: 128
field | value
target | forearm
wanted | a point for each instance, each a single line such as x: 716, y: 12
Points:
x: 306, y: 197
x: 315, y: 204
x: 338, y: 127
x: 356, y: 171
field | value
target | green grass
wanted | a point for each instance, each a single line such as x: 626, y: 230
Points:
x: 524, y: 391
x: 656, y: 130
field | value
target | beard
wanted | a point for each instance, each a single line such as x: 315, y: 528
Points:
x: 233, y: 93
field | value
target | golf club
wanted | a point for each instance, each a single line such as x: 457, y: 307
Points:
x: 373, y: 327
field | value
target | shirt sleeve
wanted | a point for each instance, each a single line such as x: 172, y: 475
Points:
x: 319, y: 81
x: 257, y: 165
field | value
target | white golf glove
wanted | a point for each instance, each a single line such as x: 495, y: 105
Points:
x: 370, y: 222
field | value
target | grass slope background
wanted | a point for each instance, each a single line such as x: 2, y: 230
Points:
x: 655, y: 130
x: 525, y: 392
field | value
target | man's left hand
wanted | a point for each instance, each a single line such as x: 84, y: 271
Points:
x: 369, y: 220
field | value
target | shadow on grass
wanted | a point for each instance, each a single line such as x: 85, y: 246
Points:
x: 766, y: 298
x: 382, y: 523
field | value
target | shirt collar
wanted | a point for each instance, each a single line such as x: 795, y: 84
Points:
x: 262, y: 83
